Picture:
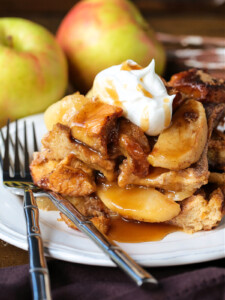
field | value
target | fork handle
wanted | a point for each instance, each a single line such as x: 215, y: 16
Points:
x: 38, y: 267
x: 117, y: 255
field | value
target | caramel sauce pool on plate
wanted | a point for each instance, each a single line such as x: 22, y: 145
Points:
x: 138, y: 232
x: 126, y: 231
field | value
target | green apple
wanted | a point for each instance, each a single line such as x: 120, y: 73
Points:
x: 97, y: 34
x: 33, y: 68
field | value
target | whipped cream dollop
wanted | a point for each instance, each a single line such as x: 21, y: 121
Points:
x: 140, y: 92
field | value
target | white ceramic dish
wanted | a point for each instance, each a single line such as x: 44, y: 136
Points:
x: 66, y: 244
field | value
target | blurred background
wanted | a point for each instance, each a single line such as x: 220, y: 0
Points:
x: 198, y: 17
x: 192, y: 32
x: 173, y: 18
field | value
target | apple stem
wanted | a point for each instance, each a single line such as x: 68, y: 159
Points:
x: 10, y: 41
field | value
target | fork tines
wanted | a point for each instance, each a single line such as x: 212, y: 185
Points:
x: 17, y: 165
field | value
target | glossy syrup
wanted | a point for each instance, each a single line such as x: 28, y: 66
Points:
x: 144, y: 91
x: 167, y: 112
x: 126, y: 66
x: 110, y: 89
x: 145, y: 120
x: 125, y: 231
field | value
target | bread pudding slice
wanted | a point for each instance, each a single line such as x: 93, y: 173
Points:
x: 90, y: 145
x: 69, y: 176
x: 61, y: 135
x: 200, y: 212
x: 186, y: 181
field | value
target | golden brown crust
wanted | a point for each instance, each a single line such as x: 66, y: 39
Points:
x: 40, y: 168
x: 197, y: 213
x: 69, y: 177
x: 70, y: 181
x: 214, y: 113
x: 199, y: 85
x: 187, y: 180
x: 135, y: 133
x: 134, y: 145
x: 92, y: 207
x: 216, y: 151
x: 60, y: 135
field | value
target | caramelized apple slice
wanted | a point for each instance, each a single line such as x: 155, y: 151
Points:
x: 183, y: 142
x: 91, y: 121
x: 62, y: 111
x: 148, y: 205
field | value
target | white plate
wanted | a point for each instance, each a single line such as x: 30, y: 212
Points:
x: 64, y: 243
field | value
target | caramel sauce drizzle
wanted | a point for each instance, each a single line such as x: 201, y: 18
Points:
x: 144, y: 91
x: 145, y: 119
x: 166, y: 100
x: 167, y: 112
x: 113, y: 94
x: 129, y: 67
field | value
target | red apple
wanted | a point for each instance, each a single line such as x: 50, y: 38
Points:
x: 97, y: 34
x: 33, y: 68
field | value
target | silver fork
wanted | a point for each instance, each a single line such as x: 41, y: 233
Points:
x: 116, y: 254
x: 23, y: 185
